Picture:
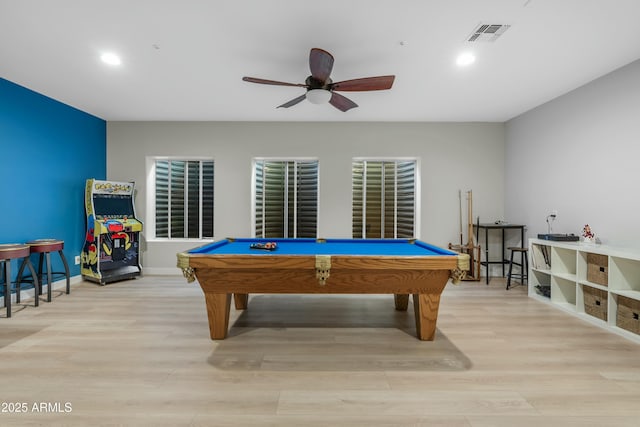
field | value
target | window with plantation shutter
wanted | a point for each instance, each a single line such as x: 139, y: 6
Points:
x: 286, y: 198
x: 184, y: 199
x: 384, y: 198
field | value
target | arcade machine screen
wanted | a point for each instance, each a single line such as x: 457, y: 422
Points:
x: 113, y: 206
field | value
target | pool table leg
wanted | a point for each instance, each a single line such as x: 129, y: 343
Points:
x: 402, y: 301
x: 218, y: 307
x: 426, y: 311
x: 241, y: 301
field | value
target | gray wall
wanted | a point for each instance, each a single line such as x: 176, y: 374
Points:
x: 579, y: 154
x: 452, y: 156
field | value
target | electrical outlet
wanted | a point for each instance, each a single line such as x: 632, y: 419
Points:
x: 77, y: 260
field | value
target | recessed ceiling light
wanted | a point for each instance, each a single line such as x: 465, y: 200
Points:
x: 110, y: 58
x: 465, y: 58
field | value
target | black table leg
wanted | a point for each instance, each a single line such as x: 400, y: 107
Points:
x: 486, y: 252
x: 502, y: 254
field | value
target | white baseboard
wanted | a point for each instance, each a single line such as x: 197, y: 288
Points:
x: 155, y: 271
x: 57, y: 285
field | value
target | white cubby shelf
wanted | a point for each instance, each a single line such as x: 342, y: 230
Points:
x: 558, y: 275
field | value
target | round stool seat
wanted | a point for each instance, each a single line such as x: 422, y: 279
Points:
x: 13, y: 251
x: 45, y: 245
x: 517, y: 249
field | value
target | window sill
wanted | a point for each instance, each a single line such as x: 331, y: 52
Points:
x: 163, y: 240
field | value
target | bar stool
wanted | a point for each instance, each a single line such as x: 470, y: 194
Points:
x: 44, y: 247
x: 524, y: 266
x: 7, y: 253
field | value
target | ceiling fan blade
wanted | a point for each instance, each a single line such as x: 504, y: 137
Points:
x: 321, y: 64
x: 271, y: 82
x: 342, y: 103
x: 293, y: 101
x: 367, y: 83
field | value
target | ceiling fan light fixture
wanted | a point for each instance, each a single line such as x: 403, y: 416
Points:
x: 318, y: 96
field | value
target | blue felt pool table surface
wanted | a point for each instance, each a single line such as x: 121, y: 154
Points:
x: 355, y: 247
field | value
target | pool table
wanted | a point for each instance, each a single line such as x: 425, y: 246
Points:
x: 318, y: 266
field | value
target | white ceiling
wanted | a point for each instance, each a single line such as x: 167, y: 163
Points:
x: 184, y: 59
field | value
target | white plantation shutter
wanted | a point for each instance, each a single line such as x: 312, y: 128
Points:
x: 274, y: 196
x: 258, y: 203
x: 357, y: 183
x: 406, y: 199
x: 184, y: 198
x: 162, y: 198
x: 306, y: 201
x: 286, y: 198
x: 383, y: 199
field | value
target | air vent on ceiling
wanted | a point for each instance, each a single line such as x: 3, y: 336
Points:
x: 487, y: 32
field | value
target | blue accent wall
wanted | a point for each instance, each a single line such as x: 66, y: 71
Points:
x: 47, y: 151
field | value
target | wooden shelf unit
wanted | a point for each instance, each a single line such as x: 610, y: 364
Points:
x: 561, y: 268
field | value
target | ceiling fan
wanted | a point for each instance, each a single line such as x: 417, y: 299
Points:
x: 320, y: 88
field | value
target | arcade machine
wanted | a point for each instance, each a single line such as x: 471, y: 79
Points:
x: 111, y: 250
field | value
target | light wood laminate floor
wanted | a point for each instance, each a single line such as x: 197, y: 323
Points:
x: 138, y: 353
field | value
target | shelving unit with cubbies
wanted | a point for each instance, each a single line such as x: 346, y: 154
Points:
x: 598, y: 283
x: 539, y: 278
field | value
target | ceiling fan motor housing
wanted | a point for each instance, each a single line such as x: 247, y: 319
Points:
x: 313, y: 83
